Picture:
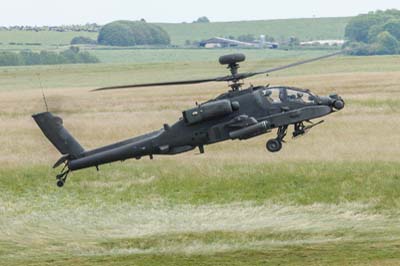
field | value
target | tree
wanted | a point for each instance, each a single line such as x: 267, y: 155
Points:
x: 82, y: 40
x: 393, y: 27
x: 294, y: 41
x: 386, y: 44
x: 202, y: 20
x: 358, y: 27
x: 116, y: 34
x: 246, y: 38
x: 358, y: 48
x: 269, y: 38
x: 130, y: 33
x: 375, y: 33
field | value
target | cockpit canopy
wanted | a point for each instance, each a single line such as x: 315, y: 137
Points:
x: 288, y: 94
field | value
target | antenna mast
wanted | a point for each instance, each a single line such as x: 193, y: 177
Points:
x: 43, y: 95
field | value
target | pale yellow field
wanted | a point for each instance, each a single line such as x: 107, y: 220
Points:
x: 330, y: 197
x: 367, y: 129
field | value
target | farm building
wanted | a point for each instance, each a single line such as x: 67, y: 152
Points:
x: 324, y: 42
x: 218, y: 42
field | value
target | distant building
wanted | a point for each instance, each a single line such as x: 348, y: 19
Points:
x: 218, y: 42
x: 323, y: 42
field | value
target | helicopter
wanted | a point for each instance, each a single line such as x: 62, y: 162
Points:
x: 238, y: 114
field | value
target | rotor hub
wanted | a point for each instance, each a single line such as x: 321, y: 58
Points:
x: 232, y: 61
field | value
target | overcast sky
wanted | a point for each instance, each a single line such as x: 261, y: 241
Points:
x: 53, y: 12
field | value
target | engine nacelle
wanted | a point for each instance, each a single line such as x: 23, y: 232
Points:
x: 209, y: 111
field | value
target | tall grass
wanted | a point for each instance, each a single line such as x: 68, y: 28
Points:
x: 330, y: 197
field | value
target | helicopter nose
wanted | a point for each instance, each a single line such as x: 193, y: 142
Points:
x: 336, y: 101
x: 339, y: 104
x: 333, y: 100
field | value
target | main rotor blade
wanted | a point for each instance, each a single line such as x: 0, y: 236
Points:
x: 171, y: 83
x: 233, y: 78
x: 295, y: 64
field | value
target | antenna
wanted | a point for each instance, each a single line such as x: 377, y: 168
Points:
x: 43, y: 95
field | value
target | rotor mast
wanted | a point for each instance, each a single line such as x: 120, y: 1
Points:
x: 232, y: 61
x: 235, y: 84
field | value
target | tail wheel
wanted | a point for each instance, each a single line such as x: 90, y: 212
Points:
x: 274, y: 145
x: 60, y: 183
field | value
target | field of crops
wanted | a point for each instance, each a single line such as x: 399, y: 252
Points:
x: 331, y: 197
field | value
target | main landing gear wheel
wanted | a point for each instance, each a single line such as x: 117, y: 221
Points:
x: 274, y: 145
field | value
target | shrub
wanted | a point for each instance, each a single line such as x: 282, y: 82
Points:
x: 83, y: 40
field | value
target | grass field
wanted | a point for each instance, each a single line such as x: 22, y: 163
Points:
x: 329, y: 198
x: 196, y: 55
x: 305, y: 29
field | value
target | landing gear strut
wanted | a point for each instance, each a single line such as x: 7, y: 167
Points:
x: 299, y: 129
x: 275, y: 145
x: 62, y: 177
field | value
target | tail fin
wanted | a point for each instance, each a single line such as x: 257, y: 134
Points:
x: 53, y: 129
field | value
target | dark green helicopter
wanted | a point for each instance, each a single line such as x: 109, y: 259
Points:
x: 238, y: 114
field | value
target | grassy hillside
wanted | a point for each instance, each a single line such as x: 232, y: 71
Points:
x: 328, y: 198
x: 305, y: 29
x: 47, y: 38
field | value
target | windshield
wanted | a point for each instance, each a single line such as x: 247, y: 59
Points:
x: 299, y: 96
x: 273, y: 95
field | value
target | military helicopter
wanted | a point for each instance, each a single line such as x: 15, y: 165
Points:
x: 238, y: 114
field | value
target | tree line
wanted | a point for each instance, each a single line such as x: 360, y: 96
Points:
x: 71, y: 56
x: 89, y: 27
x: 375, y: 33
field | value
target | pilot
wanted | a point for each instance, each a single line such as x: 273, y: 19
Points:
x: 267, y: 94
x: 300, y: 96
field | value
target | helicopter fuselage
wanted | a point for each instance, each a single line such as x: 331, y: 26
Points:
x: 237, y: 115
